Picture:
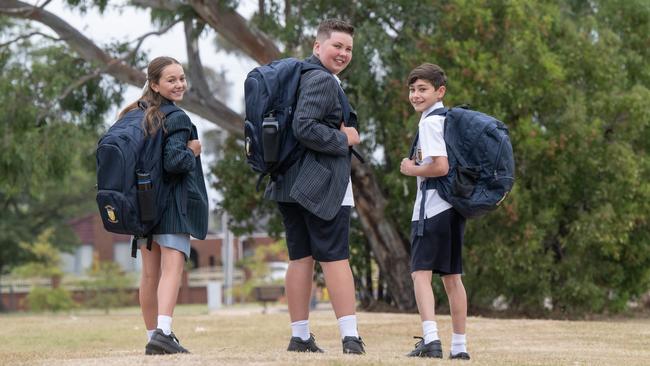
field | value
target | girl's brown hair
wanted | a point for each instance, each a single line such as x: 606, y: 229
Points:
x: 153, y: 117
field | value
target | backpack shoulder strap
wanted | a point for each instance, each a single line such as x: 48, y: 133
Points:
x: 435, y: 112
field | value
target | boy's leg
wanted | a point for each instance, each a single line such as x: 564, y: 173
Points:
x: 299, y: 277
x: 426, y: 304
x: 430, y: 345
x: 424, y: 294
x: 340, y: 286
x: 458, y: 307
x: 147, y: 293
x: 298, y: 287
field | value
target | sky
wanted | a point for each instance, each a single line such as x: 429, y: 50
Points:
x: 129, y: 23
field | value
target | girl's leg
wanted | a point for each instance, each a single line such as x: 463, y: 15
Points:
x: 172, y: 262
x: 149, y: 279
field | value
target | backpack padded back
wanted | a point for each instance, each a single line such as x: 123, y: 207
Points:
x: 122, y: 151
x: 481, y: 162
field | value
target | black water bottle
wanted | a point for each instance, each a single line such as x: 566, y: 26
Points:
x: 146, y: 199
x: 271, y: 139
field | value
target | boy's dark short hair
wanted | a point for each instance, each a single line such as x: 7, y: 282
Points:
x: 327, y: 26
x: 429, y: 72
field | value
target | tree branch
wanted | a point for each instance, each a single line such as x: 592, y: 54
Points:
x: 141, y: 39
x: 25, y: 36
x: 234, y: 28
x: 227, y: 22
x: 214, y: 111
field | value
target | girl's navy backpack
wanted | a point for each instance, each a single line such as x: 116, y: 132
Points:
x: 132, y: 193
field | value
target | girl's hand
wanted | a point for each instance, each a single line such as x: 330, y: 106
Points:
x: 195, y: 146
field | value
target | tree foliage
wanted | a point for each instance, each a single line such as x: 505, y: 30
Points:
x: 571, y: 81
x: 569, y: 78
x: 52, y: 108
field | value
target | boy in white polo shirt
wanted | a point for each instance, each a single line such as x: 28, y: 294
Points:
x: 437, y: 228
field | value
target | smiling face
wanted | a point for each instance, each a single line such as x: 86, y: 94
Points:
x: 172, y: 84
x: 335, y: 52
x: 422, y: 94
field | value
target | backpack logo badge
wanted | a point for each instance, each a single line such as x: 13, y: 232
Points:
x: 110, y: 211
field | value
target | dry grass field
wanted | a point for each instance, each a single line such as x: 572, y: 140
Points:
x: 245, y: 336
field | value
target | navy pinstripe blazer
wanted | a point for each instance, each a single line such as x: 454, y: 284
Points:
x: 317, y: 182
x: 187, y: 207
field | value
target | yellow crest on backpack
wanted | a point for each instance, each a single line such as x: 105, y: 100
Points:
x: 110, y: 212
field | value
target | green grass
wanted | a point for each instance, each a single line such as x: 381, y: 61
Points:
x: 243, y: 336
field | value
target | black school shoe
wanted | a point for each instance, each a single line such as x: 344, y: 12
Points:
x: 459, y: 356
x: 296, y: 344
x: 353, y: 345
x: 432, y: 349
x: 161, y: 344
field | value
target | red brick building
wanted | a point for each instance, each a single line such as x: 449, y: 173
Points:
x: 97, y: 244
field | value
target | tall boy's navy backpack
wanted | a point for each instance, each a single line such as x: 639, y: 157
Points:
x: 132, y: 192
x: 481, y: 162
x: 271, y: 95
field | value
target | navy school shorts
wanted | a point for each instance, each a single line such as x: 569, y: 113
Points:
x: 310, y: 236
x: 440, y: 248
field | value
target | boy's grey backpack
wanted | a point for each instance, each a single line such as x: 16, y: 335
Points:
x: 481, y: 162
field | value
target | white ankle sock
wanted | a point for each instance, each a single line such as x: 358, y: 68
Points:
x: 165, y: 324
x: 348, y: 326
x: 300, y: 329
x: 149, y: 334
x: 429, y: 331
x: 458, y: 343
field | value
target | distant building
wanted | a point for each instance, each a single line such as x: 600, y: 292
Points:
x: 96, y: 242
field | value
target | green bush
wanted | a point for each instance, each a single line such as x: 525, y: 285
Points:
x: 108, y: 287
x: 49, y: 299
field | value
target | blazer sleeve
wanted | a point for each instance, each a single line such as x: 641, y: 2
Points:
x: 177, y: 157
x: 317, y: 98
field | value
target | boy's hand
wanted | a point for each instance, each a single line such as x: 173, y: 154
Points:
x: 352, y: 134
x: 195, y: 146
x: 406, y: 167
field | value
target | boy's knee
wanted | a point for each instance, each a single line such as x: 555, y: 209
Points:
x: 452, y: 282
x: 415, y: 275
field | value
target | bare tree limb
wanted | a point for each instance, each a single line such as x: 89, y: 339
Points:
x: 227, y: 22
x: 214, y: 111
x: 171, y: 5
x: 145, y: 36
x: 234, y: 28
x: 25, y: 36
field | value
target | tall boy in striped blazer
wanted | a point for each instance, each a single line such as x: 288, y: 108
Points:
x: 315, y: 194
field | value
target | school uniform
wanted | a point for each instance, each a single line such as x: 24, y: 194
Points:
x: 315, y: 195
x: 187, y: 206
x: 439, y: 248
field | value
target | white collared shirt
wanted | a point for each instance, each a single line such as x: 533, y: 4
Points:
x: 348, y: 199
x: 431, y: 142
